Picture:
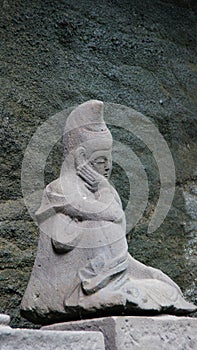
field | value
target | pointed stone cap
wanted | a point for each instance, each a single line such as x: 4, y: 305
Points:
x: 90, y: 112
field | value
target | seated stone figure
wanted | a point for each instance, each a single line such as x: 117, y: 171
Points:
x: 83, y: 268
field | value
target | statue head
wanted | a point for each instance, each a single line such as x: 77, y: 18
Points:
x: 87, y: 138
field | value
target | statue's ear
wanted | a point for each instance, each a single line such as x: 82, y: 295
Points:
x: 80, y: 156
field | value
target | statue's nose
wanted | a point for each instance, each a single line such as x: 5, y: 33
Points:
x: 106, y: 166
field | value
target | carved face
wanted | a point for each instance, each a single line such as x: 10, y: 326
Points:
x: 101, y: 161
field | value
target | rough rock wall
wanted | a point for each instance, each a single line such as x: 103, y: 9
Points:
x: 56, y: 54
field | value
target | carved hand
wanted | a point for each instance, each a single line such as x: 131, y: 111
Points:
x: 93, y: 180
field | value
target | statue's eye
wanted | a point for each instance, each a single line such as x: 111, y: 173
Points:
x: 100, y: 161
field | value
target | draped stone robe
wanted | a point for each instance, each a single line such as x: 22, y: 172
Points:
x: 83, y: 268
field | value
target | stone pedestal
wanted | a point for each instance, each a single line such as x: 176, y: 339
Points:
x: 139, y: 333
x: 24, y: 339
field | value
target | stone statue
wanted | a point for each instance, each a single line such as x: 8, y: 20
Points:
x: 83, y: 268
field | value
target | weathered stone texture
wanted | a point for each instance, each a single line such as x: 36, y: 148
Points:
x: 23, y: 339
x: 57, y: 54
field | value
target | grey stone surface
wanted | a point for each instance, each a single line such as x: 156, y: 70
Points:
x: 56, y: 54
x: 145, y: 333
x: 83, y: 267
x: 4, y: 320
x: 23, y: 339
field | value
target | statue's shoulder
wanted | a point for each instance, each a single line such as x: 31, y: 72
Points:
x: 62, y: 186
x: 54, y: 187
x: 52, y: 197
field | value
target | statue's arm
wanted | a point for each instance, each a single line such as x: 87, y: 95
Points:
x: 86, y: 209
x: 100, y: 205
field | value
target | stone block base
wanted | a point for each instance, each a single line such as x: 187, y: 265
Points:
x: 140, y: 333
x: 23, y: 339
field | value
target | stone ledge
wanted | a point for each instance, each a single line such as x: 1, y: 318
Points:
x: 24, y: 339
x: 145, y: 333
